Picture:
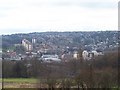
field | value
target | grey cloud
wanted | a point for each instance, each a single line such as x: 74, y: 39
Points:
x: 94, y: 5
x: 99, y: 5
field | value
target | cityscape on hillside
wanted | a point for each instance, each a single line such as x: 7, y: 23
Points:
x: 58, y: 46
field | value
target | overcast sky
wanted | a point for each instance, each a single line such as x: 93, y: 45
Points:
x: 24, y: 16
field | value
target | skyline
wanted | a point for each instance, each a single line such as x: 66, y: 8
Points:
x: 26, y: 16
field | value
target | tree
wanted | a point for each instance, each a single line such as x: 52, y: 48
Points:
x: 19, y: 49
x: 19, y: 70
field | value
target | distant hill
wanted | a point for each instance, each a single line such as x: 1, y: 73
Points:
x: 63, y: 39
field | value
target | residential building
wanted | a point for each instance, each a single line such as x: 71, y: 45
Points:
x: 75, y: 55
x: 27, y: 44
x: 87, y: 55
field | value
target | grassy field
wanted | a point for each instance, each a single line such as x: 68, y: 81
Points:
x: 20, y: 80
x: 19, y: 83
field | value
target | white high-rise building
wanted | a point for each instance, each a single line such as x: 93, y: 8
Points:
x: 34, y: 41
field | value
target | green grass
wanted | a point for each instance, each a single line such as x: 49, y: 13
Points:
x: 20, y: 80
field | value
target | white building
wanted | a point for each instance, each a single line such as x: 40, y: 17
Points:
x: 50, y: 58
x: 95, y: 53
x: 87, y: 55
x: 75, y: 55
x: 28, y: 46
x: 33, y: 40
